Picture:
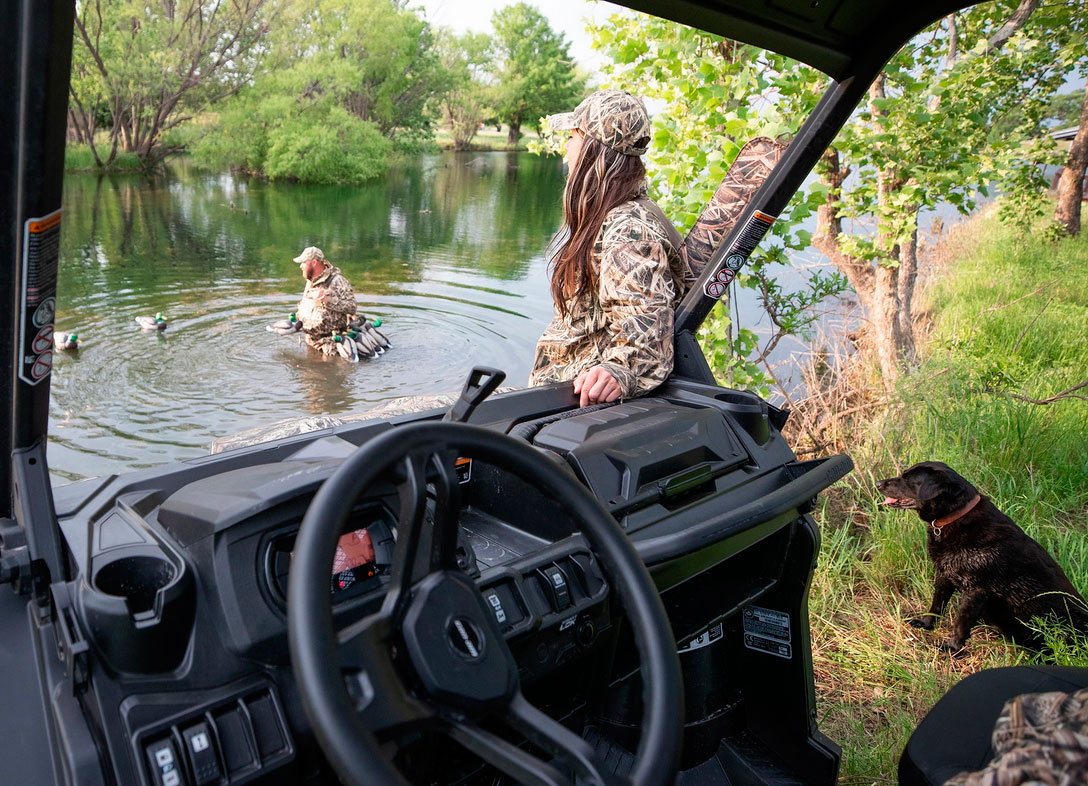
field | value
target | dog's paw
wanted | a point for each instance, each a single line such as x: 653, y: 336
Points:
x: 925, y: 623
x: 954, y: 648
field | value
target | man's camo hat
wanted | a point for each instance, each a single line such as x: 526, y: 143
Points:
x: 311, y: 252
x: 614, y: 118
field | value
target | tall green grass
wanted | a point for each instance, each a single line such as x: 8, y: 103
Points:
x: 1010, y: 320
x: 79, y: 158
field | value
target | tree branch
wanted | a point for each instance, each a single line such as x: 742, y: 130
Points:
x: 1019, y: 17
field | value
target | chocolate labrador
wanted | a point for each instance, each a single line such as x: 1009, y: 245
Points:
x: 1004, y: 577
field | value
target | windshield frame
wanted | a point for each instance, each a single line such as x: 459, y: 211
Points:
x: 36, y: 55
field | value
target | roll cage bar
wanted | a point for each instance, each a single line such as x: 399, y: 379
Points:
x: 850, y: 40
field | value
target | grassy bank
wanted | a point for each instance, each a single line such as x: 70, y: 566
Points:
x: 79, y: 158
x: 487, y: 139
x: 1009, y: 327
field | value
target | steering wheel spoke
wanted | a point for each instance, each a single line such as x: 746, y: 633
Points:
x: 374, y: 687
x: 426, y: 533
x: 573, y: 760
x: 512, y: 760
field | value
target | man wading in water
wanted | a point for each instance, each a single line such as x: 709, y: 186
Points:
x: 328, y: 302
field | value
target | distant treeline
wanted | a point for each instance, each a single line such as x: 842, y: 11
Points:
x: 321, y: 91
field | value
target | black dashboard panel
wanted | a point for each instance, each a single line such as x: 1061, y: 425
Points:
x: 176, y: 617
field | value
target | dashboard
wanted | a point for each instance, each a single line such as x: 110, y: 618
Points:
x: 174, y: 628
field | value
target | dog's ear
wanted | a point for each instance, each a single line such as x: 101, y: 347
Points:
x: 930, y: 486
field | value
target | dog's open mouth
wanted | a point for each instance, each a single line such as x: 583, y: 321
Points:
x: 895, y: 502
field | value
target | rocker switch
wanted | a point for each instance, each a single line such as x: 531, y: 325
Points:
x: 200, y: 749
x: 162, y: 758
x: 556, y: 587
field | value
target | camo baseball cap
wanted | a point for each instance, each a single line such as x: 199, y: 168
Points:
x: 310, y: 252
x: 614, y: 118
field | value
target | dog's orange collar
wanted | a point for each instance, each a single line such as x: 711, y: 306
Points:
x: 944, y: 521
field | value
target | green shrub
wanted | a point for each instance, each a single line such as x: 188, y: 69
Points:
x: 343, y: 149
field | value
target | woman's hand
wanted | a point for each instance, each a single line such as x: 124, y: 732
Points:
x: 596, y: 386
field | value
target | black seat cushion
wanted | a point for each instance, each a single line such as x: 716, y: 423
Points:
x: 955, y: 735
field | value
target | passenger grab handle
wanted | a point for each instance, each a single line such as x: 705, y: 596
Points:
x: 480, y: 384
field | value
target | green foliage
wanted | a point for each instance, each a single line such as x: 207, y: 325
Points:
x: 468, y: 98
x: 717, y: 95
x: 342, y: 149
x: 347, y: 84
x: 534, y: 70
x: 940, y: 132
x: 1011, y: 308
x: 140, y: 69
x: 375, y: 57
x: 309, y: 142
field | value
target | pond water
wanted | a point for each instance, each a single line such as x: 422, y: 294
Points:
x: 448, y: 252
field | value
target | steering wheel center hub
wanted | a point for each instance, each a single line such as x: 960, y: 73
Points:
x: 455, y: 645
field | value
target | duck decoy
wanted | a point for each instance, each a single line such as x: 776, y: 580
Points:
x: 372, y: 330
x: 363, y: 344
x: 286, y: 327
x: 342, y: 348
x: 157, y: 322
x: 66, y: 342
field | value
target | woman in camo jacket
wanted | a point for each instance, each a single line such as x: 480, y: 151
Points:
x: 617, y: 272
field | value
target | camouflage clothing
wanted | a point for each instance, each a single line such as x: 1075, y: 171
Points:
x: 1039, y: 738
x: 749, y: 169
x: 327, y: 305
x: 626, y: 325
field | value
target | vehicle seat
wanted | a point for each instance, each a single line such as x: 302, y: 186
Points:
x: 956, y: 734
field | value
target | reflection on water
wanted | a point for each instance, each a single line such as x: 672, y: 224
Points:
x: 447, y: 252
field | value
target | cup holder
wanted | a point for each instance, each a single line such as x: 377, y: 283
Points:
x: 749, y: 411
x: 139, y: 607
x: 137, y: 579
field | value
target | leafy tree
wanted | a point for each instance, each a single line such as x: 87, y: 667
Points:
x: 467, y: 101
x: 534, y: 71
x: 345, y: 83
x: 375, y: 56
x: 146, y: 67
x: 717, y: 95
x: 287, y: 132
x: 907, y: 150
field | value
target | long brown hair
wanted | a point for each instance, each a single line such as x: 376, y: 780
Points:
x: 601, y: 180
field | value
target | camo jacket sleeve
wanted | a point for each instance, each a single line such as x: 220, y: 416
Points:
x: 637, y: 291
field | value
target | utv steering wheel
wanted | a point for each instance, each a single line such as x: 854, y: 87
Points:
x: 433, y: 656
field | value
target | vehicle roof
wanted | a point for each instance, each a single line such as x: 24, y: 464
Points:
x: 831, y: 35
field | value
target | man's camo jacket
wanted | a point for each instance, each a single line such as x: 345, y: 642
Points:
x: 1039, y: 738
x: 626, y: 325
x: 327, y: 305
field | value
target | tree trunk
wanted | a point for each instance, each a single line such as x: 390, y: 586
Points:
x: 908, y: 276
x: 877, y: 285
x: 1071, y: 185
x: 515, y: 133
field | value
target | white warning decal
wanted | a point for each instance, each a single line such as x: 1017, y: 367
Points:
x: 746, y: 242
x: 38, y: 303
x: 766, y: 630
x: 704, y: 639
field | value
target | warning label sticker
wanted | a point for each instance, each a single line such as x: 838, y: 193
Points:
x: 767, y: 631
x: 704, y: 639
x: 750, y: 235
x: 38, y: 303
